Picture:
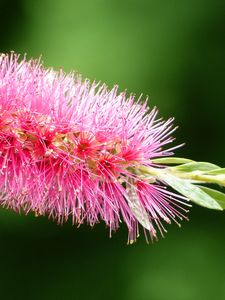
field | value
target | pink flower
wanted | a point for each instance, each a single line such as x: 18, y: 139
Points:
x: 72, y: 148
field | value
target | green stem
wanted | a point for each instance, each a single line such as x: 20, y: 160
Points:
x: 217, y: 179
x: 194, y: 176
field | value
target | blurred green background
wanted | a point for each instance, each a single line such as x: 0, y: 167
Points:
x: 172, y: 51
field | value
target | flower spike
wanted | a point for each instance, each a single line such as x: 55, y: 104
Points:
x: 72, y: 149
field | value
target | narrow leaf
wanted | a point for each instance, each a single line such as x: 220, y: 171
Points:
x: 196, y: 166
x: 171, y: 160
x: 137, y: 208
x: 191, y: 191
x: 218, y: 196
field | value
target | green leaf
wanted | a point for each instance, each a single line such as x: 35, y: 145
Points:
x: 189, y: 190
x: 171, y: 160
x: 220, y: 171
x: 137, y: 208
x: 218, y: 196
x: 196, y: 166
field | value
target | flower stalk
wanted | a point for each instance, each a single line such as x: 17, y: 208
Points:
x: 196, y: 176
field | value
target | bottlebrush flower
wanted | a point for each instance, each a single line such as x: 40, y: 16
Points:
x: 70, y: 148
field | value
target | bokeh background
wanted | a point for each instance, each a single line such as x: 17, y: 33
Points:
x: 172, y: 51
